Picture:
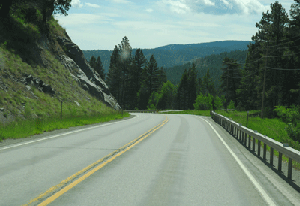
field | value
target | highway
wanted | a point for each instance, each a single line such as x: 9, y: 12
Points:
x: 149, y: 159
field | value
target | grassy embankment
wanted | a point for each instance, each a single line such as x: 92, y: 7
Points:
x: 27, y: 110
x: 273, y: 128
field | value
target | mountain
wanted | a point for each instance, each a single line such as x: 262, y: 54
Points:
x: 175, y: 54
x: 40, y: 69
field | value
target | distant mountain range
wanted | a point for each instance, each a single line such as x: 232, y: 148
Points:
x: 175, y: 54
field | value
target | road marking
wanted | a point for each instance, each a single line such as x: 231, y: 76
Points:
x: 246, y: 171
x: 67, y: 133
x: 71, y: 182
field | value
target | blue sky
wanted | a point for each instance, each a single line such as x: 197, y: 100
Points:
x: 101, y: 24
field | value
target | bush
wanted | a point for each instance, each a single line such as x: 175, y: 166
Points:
x: 231, y: 105
x: 291, y: 116
x: 203, y: 102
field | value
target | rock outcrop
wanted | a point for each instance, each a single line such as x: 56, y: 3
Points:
x: 84, y: 74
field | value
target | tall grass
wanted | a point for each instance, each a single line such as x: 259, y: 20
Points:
x: 29, y: 127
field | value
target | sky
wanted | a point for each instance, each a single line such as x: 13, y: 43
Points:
x: 101, y: 24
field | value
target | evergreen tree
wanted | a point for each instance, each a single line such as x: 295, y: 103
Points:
x: 93, y: 62
x: 114, y: 74
x: 182, y: 92
x: 231, y: 78
x: 99, y: 68
x: 152, y: 76
x: 137, y: 77
x: 192, y: 86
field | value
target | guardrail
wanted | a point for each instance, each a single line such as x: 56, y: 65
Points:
x: 244, y: 134
x: 141, y: 111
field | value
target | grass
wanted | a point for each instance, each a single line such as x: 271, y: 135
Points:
x: 29, y: 127
x: 273, y: 128
x: 20, y: 55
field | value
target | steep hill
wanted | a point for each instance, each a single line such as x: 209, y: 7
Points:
x: 175, y: 54
x: 39, y: 69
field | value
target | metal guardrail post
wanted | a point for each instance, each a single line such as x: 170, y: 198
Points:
x: 265, y: 150
x: 279, y: 161
x: 258, y: 149
x: 272, y: 156
x: 290, y: 168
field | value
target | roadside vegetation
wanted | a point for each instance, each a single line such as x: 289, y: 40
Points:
x: 29, y: 127
x: 26, y: 49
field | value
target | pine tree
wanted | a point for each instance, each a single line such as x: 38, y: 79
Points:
x: 114, y: 74
x: 99, y: 68
x: 93, y: 62
x: 182, y: 93
x: 231, y: 78
x: 192, y: 86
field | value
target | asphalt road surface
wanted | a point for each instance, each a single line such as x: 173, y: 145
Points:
x: 150, y: 159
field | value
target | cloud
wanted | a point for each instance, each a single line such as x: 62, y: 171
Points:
x: 208, y: 2
x: 149, y: 10
x: 76, y: 4
x: 178, y: 6
x: 92, y: 5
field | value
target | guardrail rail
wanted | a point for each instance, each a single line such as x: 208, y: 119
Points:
x: 244, y: 134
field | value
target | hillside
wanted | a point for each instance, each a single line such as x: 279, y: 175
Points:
x: 175, y: 54
x: 213, y: 63
x: 39, y: 69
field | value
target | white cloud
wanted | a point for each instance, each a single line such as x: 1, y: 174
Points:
x: 149, y: 10
x: 225, y: 2
x: 208, y: 2
x: 76, y: 4
x: 249, y: 6
x: 179, y: 6
x: 92, y: 5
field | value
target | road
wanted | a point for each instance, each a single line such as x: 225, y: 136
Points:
x: 169, y: 160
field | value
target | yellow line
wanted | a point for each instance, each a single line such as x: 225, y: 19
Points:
x: 80, y: 179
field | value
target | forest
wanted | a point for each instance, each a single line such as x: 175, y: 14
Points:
x: 268, y: 81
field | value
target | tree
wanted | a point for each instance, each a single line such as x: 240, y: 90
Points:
x: 5, y: 8
x: 54, y: 6
x: 230, y: 78
x: 114, y: 74
x: 192, y: 85
x: 136, y: 77
x: 182, y: 92
x: 166, y: 98
x: 152, y: 75
x: 99, y: 68
x: 93, y: 62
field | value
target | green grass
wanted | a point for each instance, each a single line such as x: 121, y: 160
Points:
x: 273, y: 128
x: 29, y: 127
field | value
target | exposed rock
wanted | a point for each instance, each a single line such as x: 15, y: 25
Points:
x: 29, y: 79
x: 84, y: 74
x: 77, y: 103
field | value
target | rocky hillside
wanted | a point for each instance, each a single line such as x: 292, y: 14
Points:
x: 40, y: 69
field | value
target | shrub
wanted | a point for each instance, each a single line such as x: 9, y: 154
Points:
x: 231, y: 105
x: 203, y: 102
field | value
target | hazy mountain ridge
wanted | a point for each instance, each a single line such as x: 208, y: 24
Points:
x: 175, y: 54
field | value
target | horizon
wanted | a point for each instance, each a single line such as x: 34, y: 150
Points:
x: 161, y: 46
x: 100, y: 25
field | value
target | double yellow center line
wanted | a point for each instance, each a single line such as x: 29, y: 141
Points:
x: 56, y: 191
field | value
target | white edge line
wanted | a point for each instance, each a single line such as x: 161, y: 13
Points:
x: 246, y: 171
x: 79, y: 130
